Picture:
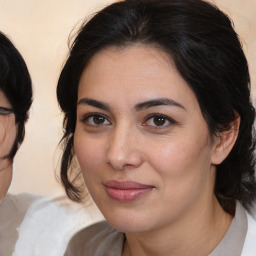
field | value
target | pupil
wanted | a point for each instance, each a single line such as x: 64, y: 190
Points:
x: 98, y: 119
x: 159, y: 121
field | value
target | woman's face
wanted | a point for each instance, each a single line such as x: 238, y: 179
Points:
x: 7, y: 137
x: 141, y: 140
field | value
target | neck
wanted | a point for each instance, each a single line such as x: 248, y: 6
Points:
x: 197, y: 234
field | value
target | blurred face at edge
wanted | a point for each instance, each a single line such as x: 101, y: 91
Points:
x: 8, y: 132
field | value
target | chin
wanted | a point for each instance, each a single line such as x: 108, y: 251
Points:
x: 126, y: 221
x: 127, y: 227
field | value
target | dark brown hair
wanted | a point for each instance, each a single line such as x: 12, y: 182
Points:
x: 15, y: 83
x: 208, y: 55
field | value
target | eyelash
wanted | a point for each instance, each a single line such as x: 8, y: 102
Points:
x: 5, y: 111
x: 86, y: 119
x: 161, y: 116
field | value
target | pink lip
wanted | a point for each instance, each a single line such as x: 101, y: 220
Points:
x: 126, y: 191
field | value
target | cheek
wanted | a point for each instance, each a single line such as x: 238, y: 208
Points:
x: 88, y: 151
x: 5, y: 178
x: 7, y: 134
x: 183, y: 176
x: 172, y: 157
x: 7, y: 137
x: 186, y: 149
x: 90, y: 155
x: 182, y: 162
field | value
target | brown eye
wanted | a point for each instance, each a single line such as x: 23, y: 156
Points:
x: 96, y: 120
x: 159, y: 121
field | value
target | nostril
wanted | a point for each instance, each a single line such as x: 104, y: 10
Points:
x: 128, y: 166
x: 126, y: 160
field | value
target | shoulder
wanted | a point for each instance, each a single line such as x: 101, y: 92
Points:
x: 49, y: 224
x: 14, y: 208
x: 249, y: 244
x: 96, y: 240
x: 253, y: 210
x: 12, y: 213
x: 20, y: 202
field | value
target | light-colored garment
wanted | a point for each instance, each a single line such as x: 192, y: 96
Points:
x: 249, y: 248
x: 102, y: 240
x: 238, y: 239
x: 42, y: 226
x: 12, y: 212
x: 97, y: 240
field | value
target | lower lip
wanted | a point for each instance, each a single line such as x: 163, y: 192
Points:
x: 127, y: 195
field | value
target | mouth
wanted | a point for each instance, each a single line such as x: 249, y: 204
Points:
x: 126, y: 191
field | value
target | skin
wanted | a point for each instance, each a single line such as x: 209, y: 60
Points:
x: 118, y: 140
x: 8, y: 132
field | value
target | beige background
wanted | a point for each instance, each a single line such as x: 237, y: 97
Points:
x: 40, y: 29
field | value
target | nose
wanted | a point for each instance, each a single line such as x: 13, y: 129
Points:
x: 124, y: 149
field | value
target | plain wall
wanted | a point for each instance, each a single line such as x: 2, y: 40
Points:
x: 40, y: 29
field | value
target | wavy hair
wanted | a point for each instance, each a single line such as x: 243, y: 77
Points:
x: 208, y: 55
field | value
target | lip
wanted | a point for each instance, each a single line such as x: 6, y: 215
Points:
x: 126, y: 191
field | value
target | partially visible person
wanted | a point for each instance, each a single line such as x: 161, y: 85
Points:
x: 29, y: 224
x: 15, y: 102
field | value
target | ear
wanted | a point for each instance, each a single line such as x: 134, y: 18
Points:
x: 224, y: 142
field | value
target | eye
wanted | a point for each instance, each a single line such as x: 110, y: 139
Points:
x: 159, y: 120
x: 5, y: 111
x: 96, y: 120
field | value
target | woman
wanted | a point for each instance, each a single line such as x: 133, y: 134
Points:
x: 156, y: 97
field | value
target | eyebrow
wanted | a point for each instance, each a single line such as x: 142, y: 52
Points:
x: 138, y: 107
x: 94, y: 103
x: 158, y: 102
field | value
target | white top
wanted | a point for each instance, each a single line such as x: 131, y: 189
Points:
x: 249, y: 248
x: 12, y: 212
x: 39, y: 226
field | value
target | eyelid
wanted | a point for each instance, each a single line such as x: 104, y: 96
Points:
x: 5, y: 111
x: 171, y: 120
x: 92, y: 114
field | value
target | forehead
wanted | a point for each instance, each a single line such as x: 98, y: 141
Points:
x: 134, y: 62
x: 133, y: 74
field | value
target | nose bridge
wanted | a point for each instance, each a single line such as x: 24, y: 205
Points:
x: 123, y: 150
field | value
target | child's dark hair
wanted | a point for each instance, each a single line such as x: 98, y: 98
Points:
x: 15, y: 83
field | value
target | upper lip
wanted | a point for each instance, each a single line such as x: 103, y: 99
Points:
x: 126, y: 184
